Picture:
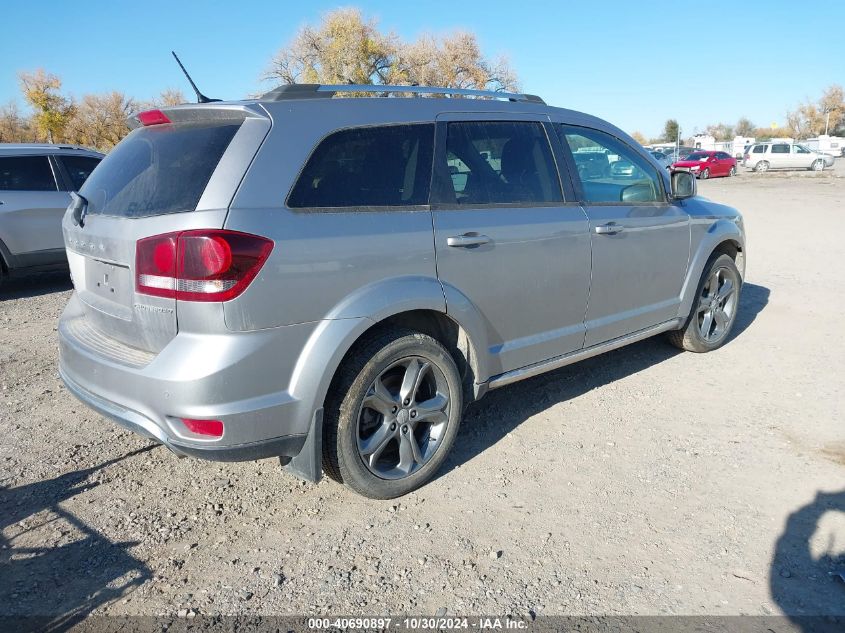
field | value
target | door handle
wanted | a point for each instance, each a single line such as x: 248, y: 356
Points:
x: 611, y: 228
x: 467, y: 239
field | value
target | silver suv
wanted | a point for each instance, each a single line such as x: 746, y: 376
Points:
x: 766, y: 156
x: 35, y: 181
x: 332, y: 280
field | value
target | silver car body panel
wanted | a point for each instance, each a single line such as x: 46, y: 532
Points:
x: 547, y: 289
x: 31, y: 221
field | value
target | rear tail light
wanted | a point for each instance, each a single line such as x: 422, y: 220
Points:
x: 152, y: 117
x: 203, y: 265
x: 213, y: 428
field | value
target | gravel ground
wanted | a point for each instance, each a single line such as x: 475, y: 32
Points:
x: 646, y: 481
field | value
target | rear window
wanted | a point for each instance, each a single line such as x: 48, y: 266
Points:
x: 382, y: 166
x: 79, y: 168
x: 157, y: 170
x: 26, y: 173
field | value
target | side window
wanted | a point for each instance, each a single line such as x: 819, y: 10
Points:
x: 79, y: 168
x: 798, y: 149
x: 780, y: 148
x: 722, y: 155
x: 610, y: 170
x: 499, y: 162
x: 759, y: 149
x: 368, y: 167
x: 26, y: 173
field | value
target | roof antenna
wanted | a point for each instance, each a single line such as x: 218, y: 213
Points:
x: 201, y: 98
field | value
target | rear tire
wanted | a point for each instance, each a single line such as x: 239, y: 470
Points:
x: 714, y: 311
x: 392, y: 414
x: 762, y: 166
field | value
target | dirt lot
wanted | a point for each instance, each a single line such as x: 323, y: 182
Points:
x: 646, y: 481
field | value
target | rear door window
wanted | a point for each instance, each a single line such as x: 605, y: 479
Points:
x: 78, y: 168
x: 158, y: 169
x: 26, y: 173
x: 380, y: 166
x: 780, y: 149
x: 499, y: 162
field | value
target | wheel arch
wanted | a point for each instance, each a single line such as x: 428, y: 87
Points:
x: 723, y: 237
x: 415, y: 302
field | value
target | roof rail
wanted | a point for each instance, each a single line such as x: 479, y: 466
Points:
x: 317, y: 91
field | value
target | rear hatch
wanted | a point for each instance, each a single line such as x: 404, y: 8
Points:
x: 175, y: 172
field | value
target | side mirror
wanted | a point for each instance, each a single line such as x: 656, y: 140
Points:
x: 683, y: 185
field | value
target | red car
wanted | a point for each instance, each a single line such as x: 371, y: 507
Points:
x: 705, y: 164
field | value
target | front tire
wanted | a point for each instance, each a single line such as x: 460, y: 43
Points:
x: 714, y: 310
x: 705, y: 174
x: 732, y: 172
x: 818, y: 165
x: 392, y: 414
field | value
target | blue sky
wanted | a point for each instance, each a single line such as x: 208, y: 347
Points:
x: 633, y: 63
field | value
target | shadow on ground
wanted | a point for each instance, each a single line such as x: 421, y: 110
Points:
x: 52, y: 587
x: 803, y: 584
x: 34, y: 285
x: 516, y: 403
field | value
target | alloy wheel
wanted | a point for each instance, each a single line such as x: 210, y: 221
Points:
x: 717, y: 305
x: 403, y: 418
x: 732, y: 172
x: 818, y: 165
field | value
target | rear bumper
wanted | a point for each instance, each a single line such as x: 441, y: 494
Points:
x: 240, y: 379
x: 288, y: 445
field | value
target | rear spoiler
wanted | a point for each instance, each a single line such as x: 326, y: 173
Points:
x: 195, y: 113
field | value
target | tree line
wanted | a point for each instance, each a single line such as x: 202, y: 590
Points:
x: 345, y: 47
x: 810, y: 118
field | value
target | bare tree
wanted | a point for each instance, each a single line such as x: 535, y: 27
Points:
x: 455, y: 61
x: 744, y: 127
x: 721, y: 131
x: 52, y: 110
x: 14, y: 127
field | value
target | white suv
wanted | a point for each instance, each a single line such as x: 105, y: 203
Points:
x: 765, y: 156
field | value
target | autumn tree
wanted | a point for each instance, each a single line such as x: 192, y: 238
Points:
x: 53, y: 111
x: 344, y: 49
x: 99, y: 120
x: 347, y: 48
x: 813, y: 118
x: 671, y: 130
x: 639, y: 137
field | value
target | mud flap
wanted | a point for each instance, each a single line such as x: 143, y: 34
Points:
x: 309, y: 463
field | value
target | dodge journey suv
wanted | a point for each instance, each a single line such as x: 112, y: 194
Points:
x: 332, y: 280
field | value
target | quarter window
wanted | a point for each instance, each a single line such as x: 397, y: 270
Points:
x: 26, y: 173
x: 610, y: 170
x: 499, y: 162
x: 79, y: 168
x: 368, y: 167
